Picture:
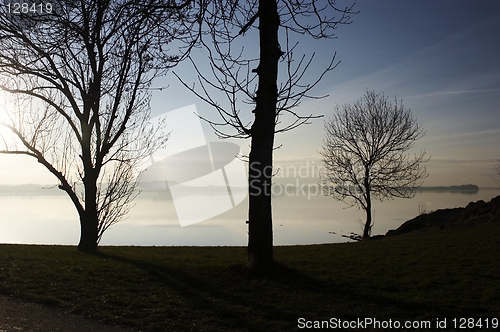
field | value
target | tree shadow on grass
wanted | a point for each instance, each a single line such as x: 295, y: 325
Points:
x: 235, y: 298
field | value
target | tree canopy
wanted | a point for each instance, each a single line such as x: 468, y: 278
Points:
x: 79, y: 76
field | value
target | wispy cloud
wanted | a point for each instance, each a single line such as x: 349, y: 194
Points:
x: 455, y: 92
x: 467, y: 135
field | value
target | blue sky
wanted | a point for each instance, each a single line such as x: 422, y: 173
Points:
x: 441, y: 57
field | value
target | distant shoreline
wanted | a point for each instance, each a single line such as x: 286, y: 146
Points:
x: 38, y: 189
x: 461, y: 188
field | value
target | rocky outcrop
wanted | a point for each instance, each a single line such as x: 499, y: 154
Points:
x: 473, y: 213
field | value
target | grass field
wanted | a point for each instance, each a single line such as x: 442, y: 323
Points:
x: 422, y: 276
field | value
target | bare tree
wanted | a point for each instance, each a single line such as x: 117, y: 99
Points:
x: 255, y: 105
x: 365, y: 154
x: 78, y: 73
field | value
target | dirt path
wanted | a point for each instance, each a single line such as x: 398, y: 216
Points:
x: 17, y: 315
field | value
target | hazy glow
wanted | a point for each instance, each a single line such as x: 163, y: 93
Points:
x: 5, y: 133
x: 52, y: 219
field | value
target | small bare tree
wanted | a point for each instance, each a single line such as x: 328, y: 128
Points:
x: 365, y: 154
x: 257, y: 102
x: 78, y: 73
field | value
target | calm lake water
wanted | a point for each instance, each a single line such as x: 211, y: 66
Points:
x: 51, y: 219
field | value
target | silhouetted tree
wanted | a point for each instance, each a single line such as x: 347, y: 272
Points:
x: 78, y: 73
x: 248, y: 78
x: 365, y: 153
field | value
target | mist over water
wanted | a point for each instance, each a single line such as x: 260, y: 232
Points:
x: 52, y: 219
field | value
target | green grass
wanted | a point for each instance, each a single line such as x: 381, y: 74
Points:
x: 448, y: 273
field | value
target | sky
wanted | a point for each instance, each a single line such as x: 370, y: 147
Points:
x: 440, y: 57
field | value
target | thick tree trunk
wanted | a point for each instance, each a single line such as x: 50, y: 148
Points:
x: 88, y: 235
x: 88, y: 218
x: 88, y: 221
x: 260, y: 228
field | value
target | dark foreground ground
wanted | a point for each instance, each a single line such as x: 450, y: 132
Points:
x: 425, y: 276
x: 21, y: 315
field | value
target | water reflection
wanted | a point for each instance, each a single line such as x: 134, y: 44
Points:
x: 51, y: 219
